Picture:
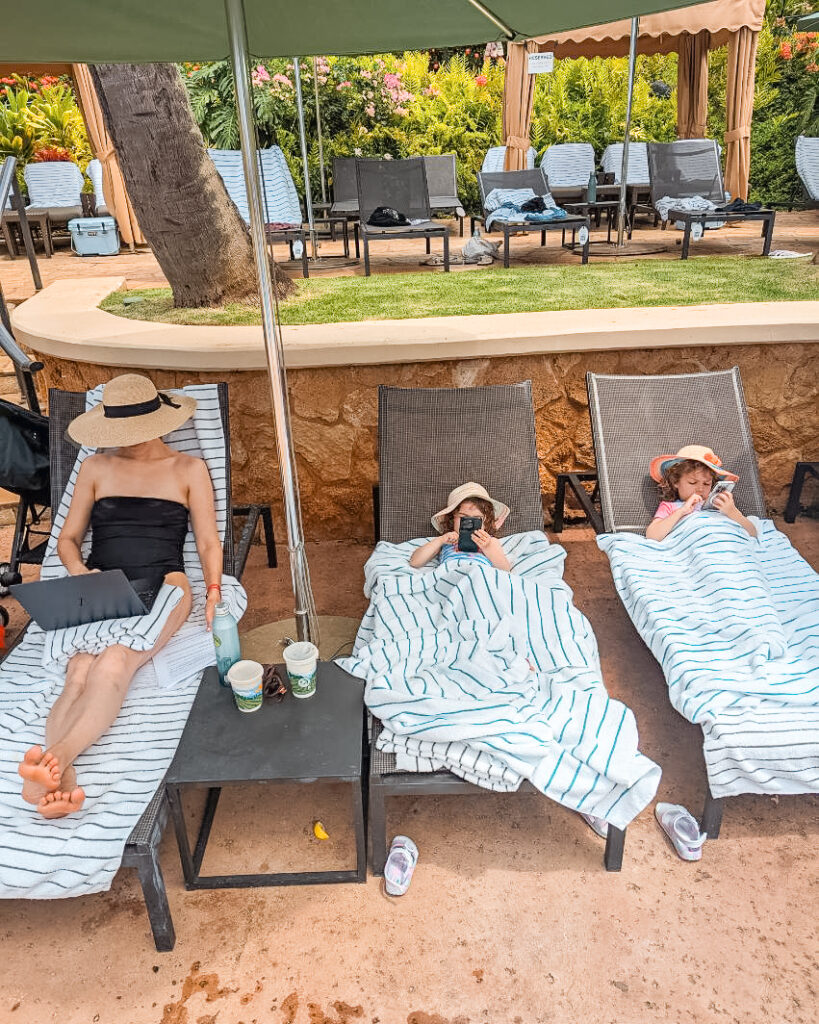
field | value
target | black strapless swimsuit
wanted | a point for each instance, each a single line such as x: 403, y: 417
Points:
x: 142, y: 536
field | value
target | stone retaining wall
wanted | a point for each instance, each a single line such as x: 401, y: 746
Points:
x: 334, y: 412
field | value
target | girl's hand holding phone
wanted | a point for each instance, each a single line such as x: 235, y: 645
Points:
x: 724, y: 502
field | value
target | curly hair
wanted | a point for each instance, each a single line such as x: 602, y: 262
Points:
x: 671, y: 477
x: 487, y: 511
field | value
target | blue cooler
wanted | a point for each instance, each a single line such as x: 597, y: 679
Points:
x: 94, y: 236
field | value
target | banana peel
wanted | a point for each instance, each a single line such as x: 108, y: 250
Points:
x: 319, y: 831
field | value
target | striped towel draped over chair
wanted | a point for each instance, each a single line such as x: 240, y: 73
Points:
x: 280, y: 200
x: 569, y: 164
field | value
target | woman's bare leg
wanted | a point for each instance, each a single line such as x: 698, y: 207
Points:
x: 97, y: 706
x: 40, y: 772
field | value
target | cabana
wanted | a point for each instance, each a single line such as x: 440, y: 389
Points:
x: 690, y: 31
x: 102, y: 147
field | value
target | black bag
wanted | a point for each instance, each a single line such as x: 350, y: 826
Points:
x: 386, y: 217
x: 534, y: 205
x: 24, y: 466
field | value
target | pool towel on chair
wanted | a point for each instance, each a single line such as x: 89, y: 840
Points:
x: 496, y: 676
x: 733, y: 621
x: 42, y: 859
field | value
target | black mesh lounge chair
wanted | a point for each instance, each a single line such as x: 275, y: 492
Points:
x: 345, y: 187
x: 536, y: 181
x: 633, y: 418
x: 401, y: 185
x: 691, y: 167
x: 425, y: 446
x: 442, y: 181
x: 142, y: 848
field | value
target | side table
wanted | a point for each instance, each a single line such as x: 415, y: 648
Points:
x: 318, y: 739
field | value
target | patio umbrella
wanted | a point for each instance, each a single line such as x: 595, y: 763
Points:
x: 85, y: 31
x: 810, y: 23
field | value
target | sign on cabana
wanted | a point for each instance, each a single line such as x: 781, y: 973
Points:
x: 540, y: 63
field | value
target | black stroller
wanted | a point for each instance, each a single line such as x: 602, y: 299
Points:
x: 24, y: 468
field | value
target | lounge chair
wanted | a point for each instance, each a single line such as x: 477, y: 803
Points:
x: 638, y: 190
x: 94, y: 172
x: 496, y: 158
x: 142, y: 847
x: 345, y: 187
x: 769, y: 748
x: 807, y: 165
x: 690, y: 168
x: 535, y: 180
x: 280, y: 200
x: 568, y: 167
x: 402, y: 186
x: 54, y: 190
x: 442, y: 182
x: 427, y: 443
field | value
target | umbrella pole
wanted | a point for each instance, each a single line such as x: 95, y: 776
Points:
x: 304, y: 610
x: 318, y: 134
x: 632, y: 64
x: 308, y: 195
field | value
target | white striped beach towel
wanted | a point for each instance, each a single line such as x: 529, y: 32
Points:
x: 42, y: 859
x: 54, y: 183
x: 496, y: 677
x: 612, y: 162
x: 496, y: 157
x: 280, y: 200
x: 734, y: 623
x: 568, y: 164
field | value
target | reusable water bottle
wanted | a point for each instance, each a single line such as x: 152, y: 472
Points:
x: 225, y: 640
x: 591, y: 195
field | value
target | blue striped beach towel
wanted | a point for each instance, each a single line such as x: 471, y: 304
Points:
x: 734, y: 623
x: 496, y: 677
x: 42, y: 859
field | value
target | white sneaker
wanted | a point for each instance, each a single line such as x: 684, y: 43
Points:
x: 400, y: 865
x: 598, y: 825
x: 682, y: 829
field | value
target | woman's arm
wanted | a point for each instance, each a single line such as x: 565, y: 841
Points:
x: 659, y: 529
x: 426, y: 552
x: 205, y: 532
x: 75, y: 527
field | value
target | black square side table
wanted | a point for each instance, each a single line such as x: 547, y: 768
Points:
x: 318, y: 739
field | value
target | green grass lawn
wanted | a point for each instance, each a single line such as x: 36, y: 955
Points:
x: 526, y: 289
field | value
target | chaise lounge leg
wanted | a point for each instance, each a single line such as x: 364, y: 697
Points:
x: 446, y: 254
x: 377, y: 827
x: 615, y: 843
x: 156, y: 899
x: 269, y: 536
x: 711, y: 816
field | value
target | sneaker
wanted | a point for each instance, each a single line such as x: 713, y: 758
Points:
x: 682, y: 829
x: 598, y: 825
x: 400, y: 865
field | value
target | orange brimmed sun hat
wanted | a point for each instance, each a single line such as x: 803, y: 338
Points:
x: 694, y: 452
x: 464, y: 493
x: 131, y: 411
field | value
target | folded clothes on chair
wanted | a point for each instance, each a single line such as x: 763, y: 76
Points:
x: 513, y: 205
x: 692, y: 203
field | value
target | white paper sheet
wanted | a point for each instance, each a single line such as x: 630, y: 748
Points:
x: 189, y: 650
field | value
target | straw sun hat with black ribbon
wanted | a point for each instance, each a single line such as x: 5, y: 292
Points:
x: 132, y: 411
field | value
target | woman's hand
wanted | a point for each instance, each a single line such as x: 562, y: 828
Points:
x: 213, y: 598
x: 691, y: 503
x: 81, y: 570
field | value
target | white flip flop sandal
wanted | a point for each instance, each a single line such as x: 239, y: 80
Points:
x: 682, y: 829
x: 400, y: 866
x: 598, y: 825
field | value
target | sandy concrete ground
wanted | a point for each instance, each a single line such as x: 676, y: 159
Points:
x: 511, y: 918
x: 798, y: 231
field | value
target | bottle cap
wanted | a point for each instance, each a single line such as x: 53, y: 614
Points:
x: 221, y: 609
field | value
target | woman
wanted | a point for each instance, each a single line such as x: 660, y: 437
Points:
x: 137, y: 496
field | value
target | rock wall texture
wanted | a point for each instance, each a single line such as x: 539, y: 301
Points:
x: 335, y: 412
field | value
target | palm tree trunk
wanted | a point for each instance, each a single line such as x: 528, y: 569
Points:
x: 200, y: 241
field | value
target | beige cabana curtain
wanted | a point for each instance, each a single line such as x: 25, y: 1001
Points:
x: 116, y: 197
x: 692, y: 85
x: 518, y: 96
x: 739, y: 110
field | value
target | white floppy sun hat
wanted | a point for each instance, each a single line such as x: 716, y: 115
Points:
x: 463, y: 493
x: 132, y: 411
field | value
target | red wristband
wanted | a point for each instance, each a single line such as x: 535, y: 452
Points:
x: 214, y: 586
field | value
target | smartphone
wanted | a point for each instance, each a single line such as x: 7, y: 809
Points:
x: 467, y: 526
x: 720, y: 487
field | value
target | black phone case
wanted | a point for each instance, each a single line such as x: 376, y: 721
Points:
x: 467, y: 528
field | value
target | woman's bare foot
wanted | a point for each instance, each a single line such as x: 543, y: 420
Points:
x: 58, y: 804
x: 40, y: 772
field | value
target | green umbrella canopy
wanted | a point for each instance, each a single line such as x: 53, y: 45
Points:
x: 810, y: 23
x: 141, y: 31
